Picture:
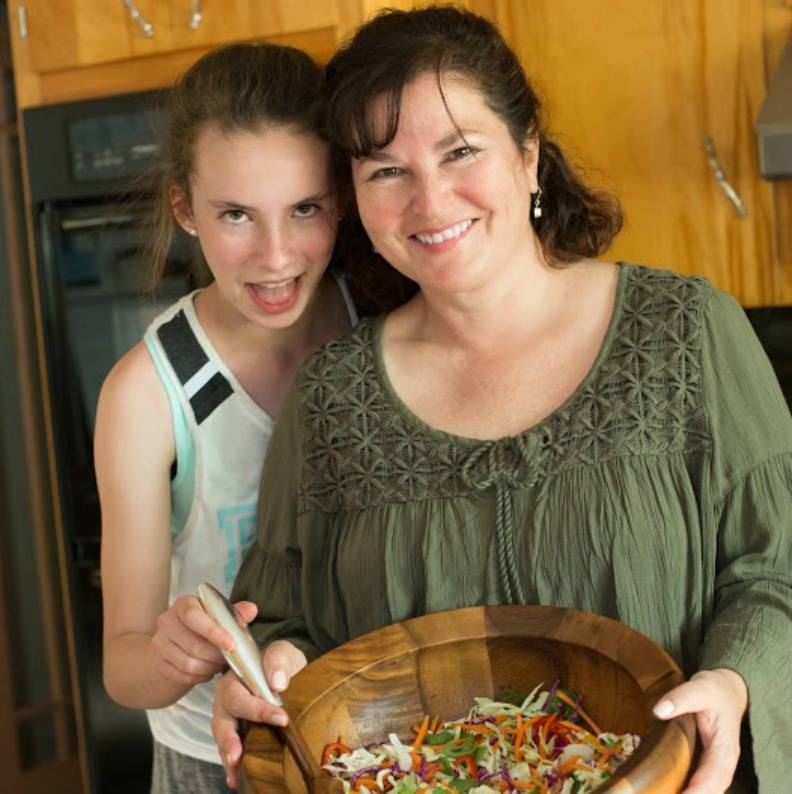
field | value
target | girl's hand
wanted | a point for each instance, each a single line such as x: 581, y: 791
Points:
x: 717, y: 699
x: 186, y: 644
x: 233, y: 703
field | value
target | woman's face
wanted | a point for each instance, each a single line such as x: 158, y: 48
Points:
x: 263, y: 207
x: 449, y: 213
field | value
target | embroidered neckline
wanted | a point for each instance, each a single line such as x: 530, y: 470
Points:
x: 522, y: 437
x: 642, y: 396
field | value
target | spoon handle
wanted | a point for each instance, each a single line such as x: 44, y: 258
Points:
x: 245, y: 661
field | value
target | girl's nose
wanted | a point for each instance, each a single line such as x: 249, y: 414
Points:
x: 274, y: 248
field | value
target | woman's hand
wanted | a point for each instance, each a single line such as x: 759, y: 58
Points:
x: 233, y: 702
x: 717, y: 699
x: 187, y: 642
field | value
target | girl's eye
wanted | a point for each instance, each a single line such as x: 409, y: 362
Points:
x: 235, y: 216
x: 386, y: 173
x: 306, y: 210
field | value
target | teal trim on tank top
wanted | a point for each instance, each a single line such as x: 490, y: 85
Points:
x: 183, y: 484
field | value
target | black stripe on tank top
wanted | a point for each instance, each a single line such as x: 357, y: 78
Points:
x: 187, y: 356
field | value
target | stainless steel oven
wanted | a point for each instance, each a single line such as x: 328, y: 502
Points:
x: 84, y: 161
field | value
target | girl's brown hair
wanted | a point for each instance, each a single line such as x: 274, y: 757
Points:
x: 238, y: 88
x: 395, y: 48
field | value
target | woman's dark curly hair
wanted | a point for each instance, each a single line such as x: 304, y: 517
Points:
x: 388, y: 53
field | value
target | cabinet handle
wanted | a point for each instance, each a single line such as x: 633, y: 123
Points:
x: 22, y: 21
x: 715, y: 167
x: 195, y: 17
x: 145, y: 25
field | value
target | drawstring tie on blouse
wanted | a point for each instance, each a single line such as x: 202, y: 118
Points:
x: 499, y: 464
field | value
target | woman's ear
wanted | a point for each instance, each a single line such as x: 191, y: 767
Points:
x: 530, y: 151
x: 182, y: 211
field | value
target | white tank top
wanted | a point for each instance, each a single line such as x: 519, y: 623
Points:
x: 221, y: 437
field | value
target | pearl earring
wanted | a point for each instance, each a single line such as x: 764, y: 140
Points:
x: 537, y: 206
x: 192, y: 232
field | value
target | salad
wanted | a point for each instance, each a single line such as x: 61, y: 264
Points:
x: 542, y: 744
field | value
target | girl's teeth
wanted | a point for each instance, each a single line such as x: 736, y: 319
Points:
x: 276, y: 293
x: 447, y: 234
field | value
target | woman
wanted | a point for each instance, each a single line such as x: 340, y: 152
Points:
x: 185, y: 417
x: 532, y: 425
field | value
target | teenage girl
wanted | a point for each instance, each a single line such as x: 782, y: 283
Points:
x: 184, y: 418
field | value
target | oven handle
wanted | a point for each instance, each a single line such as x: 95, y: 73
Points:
x: 96, y: 222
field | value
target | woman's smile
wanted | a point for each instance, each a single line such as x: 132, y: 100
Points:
x: 444, y: 238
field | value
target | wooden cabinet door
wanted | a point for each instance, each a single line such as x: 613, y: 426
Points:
x: 64, y: 34
x: 224, y: 21
x: 631, y: 93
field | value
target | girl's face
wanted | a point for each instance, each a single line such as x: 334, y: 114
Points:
x: 449, y: 213
x: 263, y: 208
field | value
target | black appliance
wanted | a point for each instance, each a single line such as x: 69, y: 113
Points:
x: 773, y: 326
x: 85, y: 162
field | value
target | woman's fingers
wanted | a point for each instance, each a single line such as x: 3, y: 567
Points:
x: 717, y: 699
x: 233, y: 703
x: 225, y: 728
x: 282, y: 660
x: 245, y: 612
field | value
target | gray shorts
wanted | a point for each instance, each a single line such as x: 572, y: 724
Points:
x: 174, y: 773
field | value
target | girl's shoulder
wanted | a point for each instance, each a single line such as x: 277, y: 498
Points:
x: 133, y: 386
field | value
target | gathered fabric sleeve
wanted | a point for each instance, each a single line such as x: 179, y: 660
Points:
x: 271, y: 573
x: 750, y: 482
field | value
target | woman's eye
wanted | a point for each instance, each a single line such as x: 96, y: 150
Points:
x: 235, y: 216
x: 306, y: 210
x: 386, y: 173
x: 462, y: 152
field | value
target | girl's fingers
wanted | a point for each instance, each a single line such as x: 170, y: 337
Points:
x: 715, y: 770
x: 172, y: 673
x: 194, y: 617
x: 176, y: 640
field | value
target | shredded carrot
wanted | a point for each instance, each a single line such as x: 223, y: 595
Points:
x: 568, y: 765
x: 565, y: 699
x: 421, y: 733
x: 468, y: 761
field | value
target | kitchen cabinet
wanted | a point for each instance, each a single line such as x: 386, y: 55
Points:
x: 67, y: 50
x: 64, y: 34
x: 631, y: 96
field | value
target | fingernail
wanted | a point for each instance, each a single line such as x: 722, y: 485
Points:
x: 279, y: 719
x: 665, y: 708
x: 279, y: 679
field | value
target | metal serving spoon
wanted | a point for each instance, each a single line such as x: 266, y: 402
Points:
x: 245, y: 661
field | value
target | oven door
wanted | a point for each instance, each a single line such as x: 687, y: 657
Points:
x: 90, y: 276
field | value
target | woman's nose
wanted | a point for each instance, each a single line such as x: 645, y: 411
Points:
x: 428, y: 196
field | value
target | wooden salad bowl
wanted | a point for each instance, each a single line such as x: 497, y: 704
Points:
x: 386, y: 681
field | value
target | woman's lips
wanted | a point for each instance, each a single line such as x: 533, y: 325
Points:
x: 442, y: 240
x: 275, y: 298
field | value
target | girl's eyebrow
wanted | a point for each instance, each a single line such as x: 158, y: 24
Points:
x: 225, y: 204
x: 315, y: 198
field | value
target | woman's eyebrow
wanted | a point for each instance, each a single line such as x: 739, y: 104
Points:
x: 453, y: 137
x: 377, y: 156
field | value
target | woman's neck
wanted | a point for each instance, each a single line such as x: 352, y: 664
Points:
x: 525, y: 300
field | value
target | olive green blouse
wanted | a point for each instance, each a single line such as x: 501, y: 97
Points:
x: 659, y: 494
